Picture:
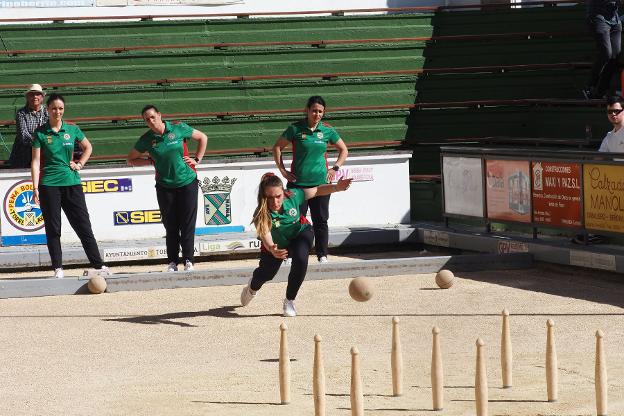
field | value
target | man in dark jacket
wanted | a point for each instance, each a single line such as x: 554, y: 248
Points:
x: 604, y: 23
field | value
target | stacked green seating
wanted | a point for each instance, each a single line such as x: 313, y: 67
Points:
x: 191, y: 60
x: 520, y: 37
x: 479, y: 59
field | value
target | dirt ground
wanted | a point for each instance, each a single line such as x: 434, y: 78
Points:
x: 195, y: 352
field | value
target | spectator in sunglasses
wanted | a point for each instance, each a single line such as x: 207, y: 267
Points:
x: 614, y: 140
x: 614, y: 143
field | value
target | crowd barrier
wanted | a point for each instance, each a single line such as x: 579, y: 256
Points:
x: 573, y: 190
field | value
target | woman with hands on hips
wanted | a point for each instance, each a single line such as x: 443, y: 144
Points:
x: 309, y: 138
x: 284, y: 232
x: 164, y: 146
x: 57, y: 185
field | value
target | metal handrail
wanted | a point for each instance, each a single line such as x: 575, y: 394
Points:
x: 333, y: 75
x: 313, y: 43
x: 441, y: 104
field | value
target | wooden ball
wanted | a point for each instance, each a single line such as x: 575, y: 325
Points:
x: 360, y: 289
x: 444, y: 279
x: 97, y: 284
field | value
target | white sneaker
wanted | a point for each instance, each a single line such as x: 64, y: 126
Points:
x: 288, y: 262
x: 247, y: 295
x: 188, y: 266
x: 289, y: 308
x: 172, y: 267
x: 323, y: 259
x: 58, y: 273
x: 104, y: 271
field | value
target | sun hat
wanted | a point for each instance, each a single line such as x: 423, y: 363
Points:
x: 35, y: 88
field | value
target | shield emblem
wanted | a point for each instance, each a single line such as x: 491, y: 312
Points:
x: 217, y: 208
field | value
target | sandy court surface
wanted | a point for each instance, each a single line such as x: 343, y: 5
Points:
x: 194, y: 352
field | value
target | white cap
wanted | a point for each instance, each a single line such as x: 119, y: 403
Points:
x: 35, y: 88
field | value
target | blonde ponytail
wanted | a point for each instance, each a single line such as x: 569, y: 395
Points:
x: 262, y: 216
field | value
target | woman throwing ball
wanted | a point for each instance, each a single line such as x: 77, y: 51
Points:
x: 284, y: 232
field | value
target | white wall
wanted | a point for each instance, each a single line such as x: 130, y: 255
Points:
x: 379, y: 195
x: 249, y: 6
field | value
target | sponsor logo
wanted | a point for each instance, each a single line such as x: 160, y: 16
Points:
x: 229, y: 245
x: 234, y: 245
x: 218, y: 246
x: 509, y: 246
x: 139, y: 253
x: 171, y: 136
x: 537, y: 177
x: 150, y: 216
x: 292, y: 212
x: 217, y: 203
x: 100, y: 186
x: 357, y: 173
x: 20, y: 208
x: 319, y: 135
x: 66, y: 136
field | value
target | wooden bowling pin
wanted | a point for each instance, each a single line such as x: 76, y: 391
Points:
x: 506, y: 355
x: 601, y: 376
x: 284, y: 366
x: 396, y: 359
x: 437, y: 375
x: 552, y: 373
x: 481, y: 384
x: 357, y: 398
x: 318, y: 379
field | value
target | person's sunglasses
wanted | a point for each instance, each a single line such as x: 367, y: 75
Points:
x: 615, y: 112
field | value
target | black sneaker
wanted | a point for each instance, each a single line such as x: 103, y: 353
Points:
x: 591, y: 239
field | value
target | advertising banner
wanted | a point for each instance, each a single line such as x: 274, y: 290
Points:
x: 122, y: 201
x: 557, y: 194
x: 603, y: 189
x: 463, y: 186
x: 508, y: 192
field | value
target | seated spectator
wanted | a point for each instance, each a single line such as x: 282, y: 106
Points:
x: 613, y: 143
x: 614, y: 140
x: 27, y: 120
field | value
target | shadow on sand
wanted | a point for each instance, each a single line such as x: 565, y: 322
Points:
x: 170, y: 318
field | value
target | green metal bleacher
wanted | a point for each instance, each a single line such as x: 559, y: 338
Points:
x: 430, y: 76
x: 34, y: 53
